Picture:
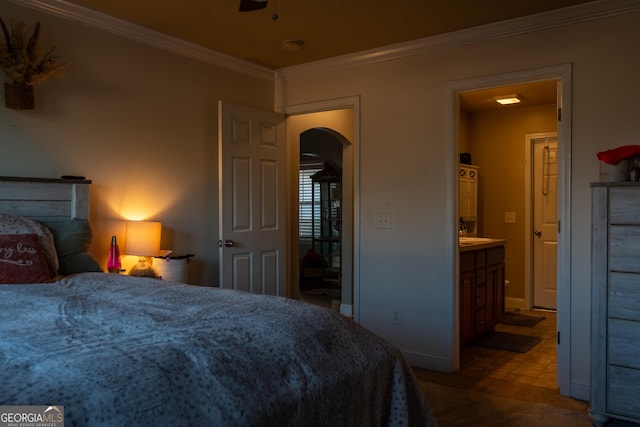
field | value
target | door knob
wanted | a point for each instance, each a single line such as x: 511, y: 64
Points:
x: 538, y: 232
x: 230, y: 243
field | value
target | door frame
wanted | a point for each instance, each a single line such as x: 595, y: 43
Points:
x: 562, y: 73
x: 528, y: 214
x: 293, y: 166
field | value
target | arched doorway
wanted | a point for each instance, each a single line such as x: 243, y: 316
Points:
x: 320, y: 217
x: 335, y: 119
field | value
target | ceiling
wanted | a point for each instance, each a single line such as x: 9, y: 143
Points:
x: 327, y: 28
x: 536, y: 93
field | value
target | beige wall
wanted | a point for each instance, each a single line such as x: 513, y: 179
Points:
x: 138, y: 121
x: 464, y: 132
x: 407, y: 168
x: 498, y: 148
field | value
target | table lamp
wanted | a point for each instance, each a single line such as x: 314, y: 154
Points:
x: 143, y: 241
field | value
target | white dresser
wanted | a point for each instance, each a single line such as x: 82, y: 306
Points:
x: 615, y: 302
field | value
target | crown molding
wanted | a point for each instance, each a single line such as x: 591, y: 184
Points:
x: 527, y: 24
x: 538, y: 22
x: 118, y: 27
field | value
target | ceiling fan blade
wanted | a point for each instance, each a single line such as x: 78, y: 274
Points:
x: 248, y: 5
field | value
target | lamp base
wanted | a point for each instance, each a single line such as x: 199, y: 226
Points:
x: 143, y: 268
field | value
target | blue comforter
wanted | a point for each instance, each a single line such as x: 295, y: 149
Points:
x: 124, y: 351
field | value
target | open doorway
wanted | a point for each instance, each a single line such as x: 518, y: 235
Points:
x: 320, y: 216
x: 500, y: 216
x: 495, y: 136
x: 338, y: 120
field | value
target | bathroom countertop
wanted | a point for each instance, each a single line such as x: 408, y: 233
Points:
x: 467, y: 244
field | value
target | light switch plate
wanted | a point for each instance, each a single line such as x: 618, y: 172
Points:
x: 509, y: 217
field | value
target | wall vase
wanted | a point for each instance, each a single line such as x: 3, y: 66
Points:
x: 18, y: 96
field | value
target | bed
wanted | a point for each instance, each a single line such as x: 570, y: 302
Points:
x: 115, y: 350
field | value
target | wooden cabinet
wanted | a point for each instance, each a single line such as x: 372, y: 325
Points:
x: 615, y: 302
x: 467, y: 304
x: 481, y: 291
x: 468, y: 192
x: 495, y: 294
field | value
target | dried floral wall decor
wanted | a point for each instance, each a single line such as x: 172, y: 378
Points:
x: 23, y: 64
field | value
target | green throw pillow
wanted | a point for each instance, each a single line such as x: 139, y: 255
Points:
x: 73, y: 240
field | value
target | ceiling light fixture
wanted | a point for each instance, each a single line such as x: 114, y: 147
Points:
x: 508, y: 99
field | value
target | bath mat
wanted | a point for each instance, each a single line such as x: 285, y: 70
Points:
x: 521, y: 319
x: 509, y: 342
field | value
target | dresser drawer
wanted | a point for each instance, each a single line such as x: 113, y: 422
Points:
x: 624, y: 296
x: 624, y: 248
x: 623, y: 338
x: 624, y: 205
x: 623, y: 388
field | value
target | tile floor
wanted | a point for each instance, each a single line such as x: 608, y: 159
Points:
x: 500, y: 388
x: 486, y: 366
x: 489, y: 366
x: 326, y: 301
x: 536, y: 367
x: 527, y: 376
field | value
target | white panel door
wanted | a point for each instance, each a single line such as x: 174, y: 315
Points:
x: 251, y: 155
x: 545, y: 222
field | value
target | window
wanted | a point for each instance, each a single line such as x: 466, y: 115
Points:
x: 306, y: 202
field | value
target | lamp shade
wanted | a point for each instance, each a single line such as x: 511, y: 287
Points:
x: 143, y: 238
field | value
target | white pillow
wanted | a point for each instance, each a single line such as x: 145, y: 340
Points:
x: 13, y: 224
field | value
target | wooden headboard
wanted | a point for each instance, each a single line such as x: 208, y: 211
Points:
x: 44, y: 198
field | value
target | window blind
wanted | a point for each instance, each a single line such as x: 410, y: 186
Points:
x: 306, y: 202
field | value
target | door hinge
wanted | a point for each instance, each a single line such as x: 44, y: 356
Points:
x: 559, y: 114
x: 558, y: 337
x: 558, y: 226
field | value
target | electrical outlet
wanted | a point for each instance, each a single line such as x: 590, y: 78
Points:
x: 383, y: 219
x: 396, y: 317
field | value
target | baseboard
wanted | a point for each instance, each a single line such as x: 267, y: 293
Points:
x: 580, y: 391
x: 514, y: 303
x: 346, y: 310
x: 427, y: 361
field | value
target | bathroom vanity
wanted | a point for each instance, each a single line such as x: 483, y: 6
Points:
x: 481, y: 286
